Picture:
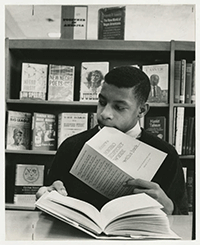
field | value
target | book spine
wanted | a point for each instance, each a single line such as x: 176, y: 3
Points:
x: 179, y: 129
x: 193, y: 91
x: 189, y: 187
x: 185, y: 132
x: 183, y: 81
x: 177, y: 81
x: 188, y: 84
x: 190, y: 136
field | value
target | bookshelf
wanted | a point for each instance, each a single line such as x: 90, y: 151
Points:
x: 73, y: 52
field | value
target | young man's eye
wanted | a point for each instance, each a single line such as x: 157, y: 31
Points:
x: 119, y: 108
x: 102, y: 102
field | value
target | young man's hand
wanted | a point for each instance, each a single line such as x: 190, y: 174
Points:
x: 152, y: 189
x: 57, y: 186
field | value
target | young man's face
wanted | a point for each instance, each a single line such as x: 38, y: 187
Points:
x: 117, y: 107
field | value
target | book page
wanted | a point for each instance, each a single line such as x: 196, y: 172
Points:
x: 111, y: 157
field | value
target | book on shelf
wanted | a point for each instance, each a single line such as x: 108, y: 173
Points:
x: 190, y: 188
x: 92, y: 77
x: 188, y: 83
x: 111, y: 23
x: 61, y: 83
x: 190, y: 136
x: 193, y: 86
x: 34, y: 77
x: 111, y: 157
x: 177, y: 80
x: 136, y: 216
x: 24, y: 95
x: 183, y: 81
x: 18, y: 131
x: 159, y: 78
x: 92, y: 120
x: 43, y: 131
x: 28, y: 179
x: 179, y: 121
x: 157, y: 126
x: 70, y: 124
x: 74, y: 22
x: 185, y: 135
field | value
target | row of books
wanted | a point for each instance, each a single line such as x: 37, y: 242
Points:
x: 183, y: 132
x: 184, y: 81
x: 56, y: 82
x: 42, y: 131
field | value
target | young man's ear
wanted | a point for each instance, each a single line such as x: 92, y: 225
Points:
x: 143, y: 110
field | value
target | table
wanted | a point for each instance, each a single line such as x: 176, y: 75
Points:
x: 35, y: 225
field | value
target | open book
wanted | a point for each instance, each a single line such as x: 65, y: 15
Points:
x: 129, y: 217
x: 111, y: 157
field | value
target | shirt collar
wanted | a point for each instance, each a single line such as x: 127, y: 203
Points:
x: 135, y: 132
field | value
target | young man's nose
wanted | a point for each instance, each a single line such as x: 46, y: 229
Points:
x: 107, y: 112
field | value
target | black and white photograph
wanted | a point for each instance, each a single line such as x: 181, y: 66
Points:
x: 99, y: 122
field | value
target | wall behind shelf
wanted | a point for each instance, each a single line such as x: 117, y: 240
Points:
x: 143, y: 21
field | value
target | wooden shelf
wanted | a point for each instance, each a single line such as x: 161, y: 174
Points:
x: 30, y: 152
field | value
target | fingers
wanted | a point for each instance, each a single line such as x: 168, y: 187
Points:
x: 40, y: 192
x: 59, y: 187
x: 140, y: 183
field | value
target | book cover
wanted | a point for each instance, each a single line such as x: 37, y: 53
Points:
x: 111, y: 157
x: 111, y: 23
x: 156, y: 126
x: 188, y: 83
x: 74, y: 22
x: 183, y: 81
x: 193, y: 86
x: 18, y: 134
x: 43, y: 131
x: 28, y: 179
x: 92, y: 77
x: 140, y: 215
x: 34, y: 77
x: 179, y: 129
x: 159, y: 78
x: 177, y: 80
x: 24, y: 95
x: 70, y: 124
x: 61, y: 83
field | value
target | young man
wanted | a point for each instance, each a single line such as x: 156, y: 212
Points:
x: 122, y: 102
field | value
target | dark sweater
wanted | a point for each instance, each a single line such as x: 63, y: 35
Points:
x: 169, y: 176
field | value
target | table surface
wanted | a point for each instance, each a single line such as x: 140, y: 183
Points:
x: 35, y: 225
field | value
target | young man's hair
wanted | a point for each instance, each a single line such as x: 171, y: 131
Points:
x: 130, y: 77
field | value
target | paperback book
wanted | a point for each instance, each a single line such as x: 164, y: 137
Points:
x: 18, y: 134
x: 130, y: 217
x: 92, y: 77
x: 34, y: 77
x: 61, y: 83
x: 24, y: 95
x: 159, y: 78
x: 111, y: 23
x: 28, y: 179
x: 43, y: 131
x: 110, y: 158
x: 70, y: 124
x: 156, y: 126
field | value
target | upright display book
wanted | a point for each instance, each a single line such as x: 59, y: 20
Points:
x: 156, y: 126
x: 159, y: 78
x: 43, y: 131
x: 34, y: 77
x: 61, y: 83
x: 111, y: 23
x: 92, y: 77
x: 110, y: 158
x: 70, y: 124
x: 74, y: 22
x: 130, y: 217
x: 32, y: 95
x: 18, y: 133
x: 28, y: 179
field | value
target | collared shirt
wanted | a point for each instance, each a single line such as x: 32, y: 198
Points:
x: 135, y: 132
